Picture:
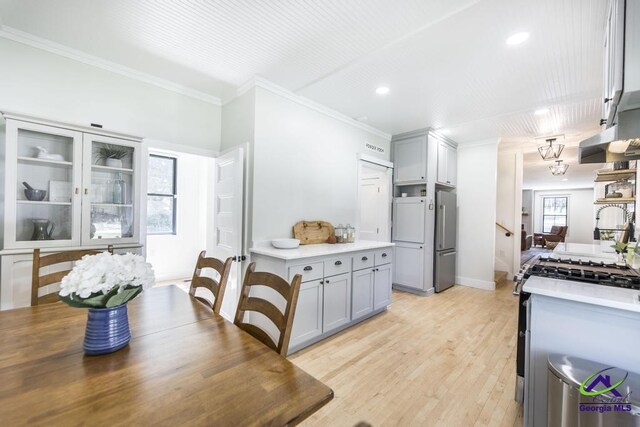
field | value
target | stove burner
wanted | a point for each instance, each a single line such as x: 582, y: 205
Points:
x: 567, y: 269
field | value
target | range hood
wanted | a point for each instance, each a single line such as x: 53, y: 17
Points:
x: 620, y: 142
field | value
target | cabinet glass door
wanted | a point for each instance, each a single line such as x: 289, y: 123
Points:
x: 47, y: 162
x: 110, y: 209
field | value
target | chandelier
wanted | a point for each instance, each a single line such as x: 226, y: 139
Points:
x: 559, y: 168
x: 551, y: 151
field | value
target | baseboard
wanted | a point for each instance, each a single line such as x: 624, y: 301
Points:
x: 475, y: 283
x: 420, y: 292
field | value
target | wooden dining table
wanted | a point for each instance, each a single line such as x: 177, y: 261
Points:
x: 185, y: 365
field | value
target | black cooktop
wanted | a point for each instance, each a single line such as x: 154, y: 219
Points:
x: 600, y: 273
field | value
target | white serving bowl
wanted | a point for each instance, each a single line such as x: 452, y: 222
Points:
x: 285, y: 243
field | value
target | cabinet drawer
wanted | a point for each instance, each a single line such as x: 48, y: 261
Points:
x: 383, y: 256
x: 335, y: 266
x: 363, y: 260
x: 310, y: 271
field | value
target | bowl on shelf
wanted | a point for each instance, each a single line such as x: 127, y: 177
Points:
x: 35, y: 195
x: 285, y: 243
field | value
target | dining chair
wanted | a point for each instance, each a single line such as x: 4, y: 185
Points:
x: 215, y: 287
x: 38, y: 281
x: 282, y: 321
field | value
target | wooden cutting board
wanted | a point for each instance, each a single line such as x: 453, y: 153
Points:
x: 312, y: 232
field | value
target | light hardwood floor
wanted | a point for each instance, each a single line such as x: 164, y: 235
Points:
x: 448, y: 359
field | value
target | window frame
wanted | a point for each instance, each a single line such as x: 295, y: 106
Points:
x: 174, y: 196
x: 566, y: 215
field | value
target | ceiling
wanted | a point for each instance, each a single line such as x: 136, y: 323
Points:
x: 446, y: 62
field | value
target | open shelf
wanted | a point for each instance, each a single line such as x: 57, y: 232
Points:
x: 43, y: 202
x: 37, y: 161
x: 110, y: 169
x: 615, y: 175
x: 615, y: 201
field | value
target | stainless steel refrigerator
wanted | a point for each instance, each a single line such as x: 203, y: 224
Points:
x: 445, y: 253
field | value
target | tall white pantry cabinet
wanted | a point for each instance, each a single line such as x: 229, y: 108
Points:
x: 89, y: 203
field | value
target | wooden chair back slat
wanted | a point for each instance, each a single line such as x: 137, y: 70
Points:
x: 216, y: 288
x: 266, y: 308
x: 277, y: 283
x: 49, y: 279
x: 283, y: 321
x: 39, y: 262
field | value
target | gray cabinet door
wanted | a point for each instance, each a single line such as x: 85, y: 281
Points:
x: 307, y: 322
x: 362, y: 293
x: 408, y: 219
x: 410, y: 159
x: 442, y: 162
x: 452, y: 165
x: 408, y: 261
x: 337, y: 302
x: 382, y: 286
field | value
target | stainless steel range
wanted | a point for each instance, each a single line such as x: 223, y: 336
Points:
x: 575, y: 270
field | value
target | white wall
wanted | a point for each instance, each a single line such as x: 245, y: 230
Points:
x: 174, y: 256
x: 581, y: 218
x: 42, y: 84
x: 508, y: 211
x: 305, y: 165
x: 477, y: 166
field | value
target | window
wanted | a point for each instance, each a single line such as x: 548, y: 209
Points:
x: 161, y: 195
x: 554, y: 212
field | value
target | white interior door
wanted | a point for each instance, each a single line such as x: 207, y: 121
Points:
x: 374, y: 198
x: 227, y: 221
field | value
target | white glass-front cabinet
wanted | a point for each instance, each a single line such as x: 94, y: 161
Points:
x: 109, y: 209
x: 60, y: 192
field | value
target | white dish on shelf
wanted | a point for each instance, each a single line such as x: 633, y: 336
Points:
x: 285, y: 243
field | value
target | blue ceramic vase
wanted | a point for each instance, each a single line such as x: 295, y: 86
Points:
x: 107, y: 330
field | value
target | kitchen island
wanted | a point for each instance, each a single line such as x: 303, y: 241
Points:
x: 584, y: 251
x: 594, y: 322
x: 342, y: 284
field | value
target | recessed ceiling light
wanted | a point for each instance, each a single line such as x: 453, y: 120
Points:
x: 565, y: 179
x: 517, y: 38
x: 382, y: 90
x: 541, y: 112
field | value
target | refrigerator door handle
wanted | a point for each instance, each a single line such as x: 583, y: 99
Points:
x: 444, y: 228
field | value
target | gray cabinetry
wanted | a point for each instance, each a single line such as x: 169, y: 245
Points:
x: 382, y: 286
x: 337, y: 291
x: 337, y: 302
x: 362, y: 293
x: 307, y: 322
x: 410, y: 160
x: 408, y: 261
x: 447, y: 164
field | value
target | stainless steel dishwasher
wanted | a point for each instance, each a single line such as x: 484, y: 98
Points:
x: 585, y: 394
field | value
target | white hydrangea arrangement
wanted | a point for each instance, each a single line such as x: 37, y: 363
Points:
x: 105, y: 280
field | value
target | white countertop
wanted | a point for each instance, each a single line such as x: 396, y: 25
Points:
x: 308, y: 251
x: 605, y: 296
x: 583, y: 251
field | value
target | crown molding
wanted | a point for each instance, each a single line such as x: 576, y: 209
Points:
x: 263, y: 83
x: 474, y: 144
x: 61, y: 50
